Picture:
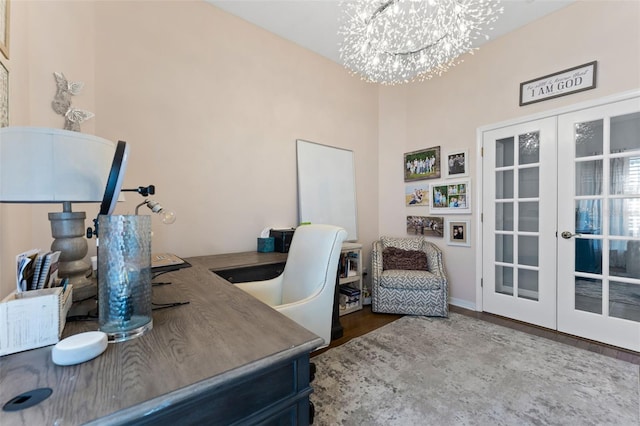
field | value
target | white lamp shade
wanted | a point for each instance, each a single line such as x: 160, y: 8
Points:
x: 42, y: 165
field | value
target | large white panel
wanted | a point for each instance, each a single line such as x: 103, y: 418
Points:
x: 326, y: 186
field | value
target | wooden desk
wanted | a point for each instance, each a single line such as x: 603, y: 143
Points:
x: 221, y: 262
x: 224, y: 358
x: 247, y: 266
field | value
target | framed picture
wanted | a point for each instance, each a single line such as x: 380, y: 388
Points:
x: 4, y: 28
x: 450, y: 197
x: 416, y: 194
x: 457, y: 163
x: 426, y: 226
x: 4, y: 96
x: 423, y: 164
x: 458, y: 233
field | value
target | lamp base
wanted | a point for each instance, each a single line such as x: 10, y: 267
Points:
x: 68, y: 231
x: 84, y: 289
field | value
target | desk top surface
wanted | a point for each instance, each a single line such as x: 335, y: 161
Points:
x: 222, y: 334
x: 221, y: 262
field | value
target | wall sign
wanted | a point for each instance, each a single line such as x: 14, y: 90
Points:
x: 572, y: 80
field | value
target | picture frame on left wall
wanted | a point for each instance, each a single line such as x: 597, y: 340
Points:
x: 457, y: 233
x: 457, y: 164
x: 416, y: 194
x: 4, y: 96
x: 4, y: 28
x: 450, y: 197
x: 422, y: 164
x: 426, y: 226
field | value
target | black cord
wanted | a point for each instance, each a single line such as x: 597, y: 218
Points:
x: 87, y: 317
x: 157, y: 274
x: 156, y: 307
x: 159, y: 306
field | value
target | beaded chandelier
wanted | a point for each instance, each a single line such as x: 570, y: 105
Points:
x: 399, y: 41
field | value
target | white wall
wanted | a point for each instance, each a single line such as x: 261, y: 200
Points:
x: 196, y: 92
x: 45, y: 37
x: 212, y: 109
x: 446, y: 111
x: 211, y: 106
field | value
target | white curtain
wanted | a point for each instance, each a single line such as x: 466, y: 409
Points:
x: 589, y: 182
x: 618, y: 217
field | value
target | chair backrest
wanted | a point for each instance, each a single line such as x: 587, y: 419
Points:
x: 312, y: 262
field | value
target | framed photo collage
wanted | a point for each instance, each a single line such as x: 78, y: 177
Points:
x: 450, y: 196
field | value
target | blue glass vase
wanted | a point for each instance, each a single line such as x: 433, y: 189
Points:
x: 124, y: 276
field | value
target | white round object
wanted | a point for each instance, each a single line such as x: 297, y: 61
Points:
x: 79, y: 348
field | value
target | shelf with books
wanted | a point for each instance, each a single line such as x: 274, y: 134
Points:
x: 350, y: 272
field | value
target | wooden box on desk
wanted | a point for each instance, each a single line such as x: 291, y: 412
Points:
x: 33, y: 319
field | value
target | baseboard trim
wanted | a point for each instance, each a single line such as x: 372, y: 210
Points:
x: 462, y: 303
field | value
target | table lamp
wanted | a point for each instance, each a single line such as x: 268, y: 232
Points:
x: 42, y: 165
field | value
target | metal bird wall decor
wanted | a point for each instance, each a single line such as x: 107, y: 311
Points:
x: 61, y: 103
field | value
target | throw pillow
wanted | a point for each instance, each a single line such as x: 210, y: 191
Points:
x: 402, y: 243
x: 395, y: 258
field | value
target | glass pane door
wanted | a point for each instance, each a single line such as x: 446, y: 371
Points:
x: 599, y: 224
x: 519, y: 207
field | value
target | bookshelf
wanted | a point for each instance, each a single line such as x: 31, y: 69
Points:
x: 350, y: 272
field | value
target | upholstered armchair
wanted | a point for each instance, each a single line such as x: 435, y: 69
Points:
x: 305, y: 290
x: 408, y: 277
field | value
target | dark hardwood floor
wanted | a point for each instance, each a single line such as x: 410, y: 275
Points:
x: 363, y: 321
x: 358, y: 323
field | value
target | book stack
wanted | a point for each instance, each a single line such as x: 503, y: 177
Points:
x: 37, y: 270
x: 349, y: 297
x: 348, y: 264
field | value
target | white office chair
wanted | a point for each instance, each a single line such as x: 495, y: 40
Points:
x: 304, y: 291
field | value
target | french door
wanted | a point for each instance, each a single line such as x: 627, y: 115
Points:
x: 519, y: 222
x: 561, y: 222
x: 599, y: 224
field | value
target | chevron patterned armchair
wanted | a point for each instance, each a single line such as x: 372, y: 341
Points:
x: 408, y: 277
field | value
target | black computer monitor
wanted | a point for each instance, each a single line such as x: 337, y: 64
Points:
x: 116, y: 175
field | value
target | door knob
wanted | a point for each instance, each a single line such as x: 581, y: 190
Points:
x: 566, y: 235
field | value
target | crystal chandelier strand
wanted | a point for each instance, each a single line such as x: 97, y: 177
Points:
x: 381, y: 10
x: 398, y: 41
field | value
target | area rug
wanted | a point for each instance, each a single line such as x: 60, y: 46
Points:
x: 463, y: 371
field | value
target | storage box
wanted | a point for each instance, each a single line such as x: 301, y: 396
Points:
x: 33, y: 319
x: 282, y: 239
x: 266, y: 245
